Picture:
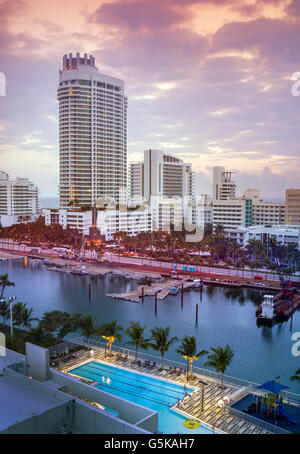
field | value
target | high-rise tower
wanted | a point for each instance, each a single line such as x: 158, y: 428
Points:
x: 92, y: 134
x: 223, y: 186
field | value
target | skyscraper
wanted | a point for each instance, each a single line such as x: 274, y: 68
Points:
x: 92, y: 134
x: 160, y: 175
x: 223, y: 186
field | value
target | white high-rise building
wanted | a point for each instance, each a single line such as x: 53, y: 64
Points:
x: 92, y: 134
x: 160, y: 175
x: 136, y: 182
x: 18, y: 198
x: 223, y: 186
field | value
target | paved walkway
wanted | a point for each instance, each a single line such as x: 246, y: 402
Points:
x: 211, y: 414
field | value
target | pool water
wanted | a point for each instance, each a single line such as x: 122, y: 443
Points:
x: 153, y: 393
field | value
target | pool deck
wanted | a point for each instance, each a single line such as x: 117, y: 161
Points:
x: 211, y: 415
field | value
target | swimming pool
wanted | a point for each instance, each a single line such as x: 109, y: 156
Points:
x: 150, y: 392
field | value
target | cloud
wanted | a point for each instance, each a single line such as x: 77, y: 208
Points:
x: 225, y: 91
x: 139, y: 15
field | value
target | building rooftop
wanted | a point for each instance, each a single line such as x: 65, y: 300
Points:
x: 19, y: 402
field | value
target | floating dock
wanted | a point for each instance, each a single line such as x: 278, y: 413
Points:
x: 162, y: 289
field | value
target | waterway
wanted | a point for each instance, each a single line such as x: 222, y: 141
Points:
x: 225, y: 316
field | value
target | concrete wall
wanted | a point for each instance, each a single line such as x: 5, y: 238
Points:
x: 37, y: 359
x: 45, y: 423
x: 93, y: 421
x: 127, y: 411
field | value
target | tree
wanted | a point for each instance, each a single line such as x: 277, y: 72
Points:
x: 17, y: 313
x: 88, y: 326
x: 110, y: 332
x: 69, y: 324
x: 296, y: 377
x: 4, y: 310
x: 4, y: 282
x: 220, y: 359
x: 52, y: 321
x: 188, y: 350
x: 162, y: 341
x: 136, y: 334
x: 26, y: 317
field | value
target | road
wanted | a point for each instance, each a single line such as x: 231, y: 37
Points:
x: 142, y: 262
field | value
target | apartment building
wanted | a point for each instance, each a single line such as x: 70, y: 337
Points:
x: 265, y: 212
x: 224, y: 187
x: 75, y: 219
x: 92, y: 134
x: 131, y: 221
x: 160, y: 175
x: 232, y: 214
x: 18, y: 198
x: 292, y: 206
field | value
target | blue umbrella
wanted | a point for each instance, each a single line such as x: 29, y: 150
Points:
x: 273, y: 386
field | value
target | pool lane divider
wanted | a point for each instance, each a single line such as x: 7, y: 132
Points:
x: 91, y: 371
x: 97, y: 365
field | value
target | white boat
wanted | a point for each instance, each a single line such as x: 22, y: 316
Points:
x: 267, y: 314
x: 198, y: 284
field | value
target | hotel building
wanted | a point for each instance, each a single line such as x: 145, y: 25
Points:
x: 19, y: 197
x: 224, y: 187
x: 92, y: 134
x: 160, y: 175
x: 292, y: 206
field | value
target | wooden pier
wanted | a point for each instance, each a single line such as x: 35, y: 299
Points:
x: 162, y: 289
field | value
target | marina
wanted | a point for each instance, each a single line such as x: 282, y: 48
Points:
x: 225, y: 315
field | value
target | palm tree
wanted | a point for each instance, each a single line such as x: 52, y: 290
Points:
x: 220, y: 359
x: 162, y: 342
x: 296, y: 377
x: 187, y: 349
x: 110, y: 332
x: 17, y: 313
x: 4, y: 310
x: 4, y: 282
x: 26, y: 317
x: 88, y: 326
x: 136, y: 334
x: 52, y: 321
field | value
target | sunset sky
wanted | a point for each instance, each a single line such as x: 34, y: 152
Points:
x: 207, y: 81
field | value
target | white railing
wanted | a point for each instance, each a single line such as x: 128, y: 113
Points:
x: 288, y: 397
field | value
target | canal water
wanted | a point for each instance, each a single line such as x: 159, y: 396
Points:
x: 225, y: 316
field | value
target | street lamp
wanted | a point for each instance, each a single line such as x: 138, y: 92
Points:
x: 10, y: 302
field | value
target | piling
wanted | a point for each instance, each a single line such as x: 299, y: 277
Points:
x: 155, y: 297
x: 181, y: 295
x: 142, y: 294
x: 196, y: 314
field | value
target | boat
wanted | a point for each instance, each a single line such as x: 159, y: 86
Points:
x: 174, y: 290
x: 278, y: 308
x: 198, y: 284
x: 267, y: 314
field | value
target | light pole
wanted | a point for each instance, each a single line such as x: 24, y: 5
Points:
x: 10, y: 300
